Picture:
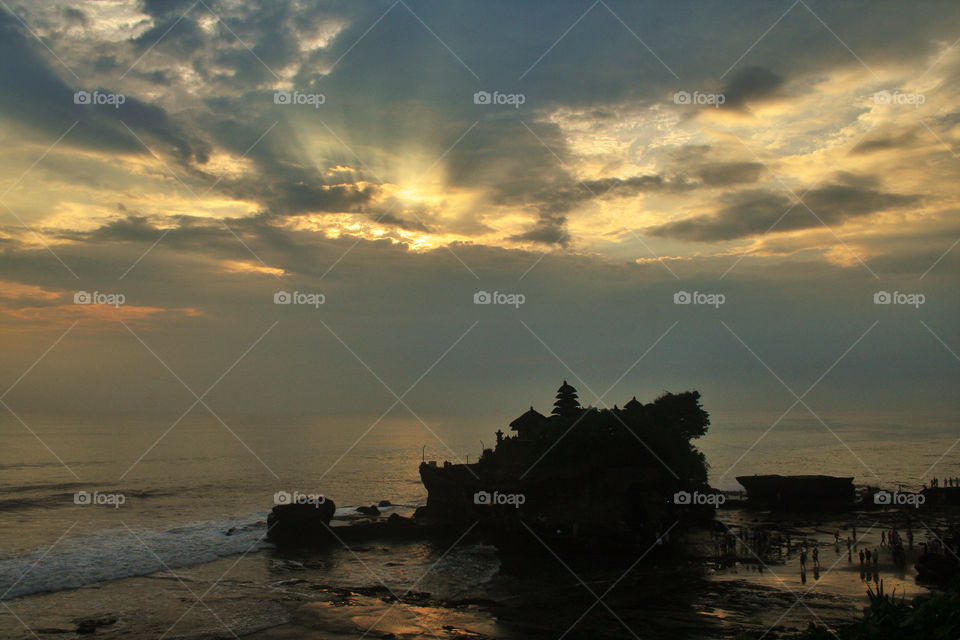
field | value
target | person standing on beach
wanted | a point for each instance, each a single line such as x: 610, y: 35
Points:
x: 803, y: 560
x: 816, y: 558
x: 861, y: 558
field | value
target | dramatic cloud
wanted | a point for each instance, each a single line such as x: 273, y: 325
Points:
x: 748, y: 85
x: 721, y: 174
x: 755, y: 212
x: 398, y: 190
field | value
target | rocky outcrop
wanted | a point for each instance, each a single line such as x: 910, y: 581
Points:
x: 799, y: 492
x: 301, y: 524
x: 591, y: 479
x: 937, y: 567
x: 90, y: 625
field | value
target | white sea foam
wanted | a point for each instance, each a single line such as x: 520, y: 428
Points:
x: 118, y: 553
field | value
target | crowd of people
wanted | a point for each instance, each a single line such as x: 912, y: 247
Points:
x: 943, y: 482
x: 765, y: 546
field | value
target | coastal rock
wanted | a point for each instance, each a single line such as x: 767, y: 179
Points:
x: 398, y: 520
x: 384, y: 503
x: 302, y: 524
x: 89, y: 625
x: 583, y: 479
x: 372, y: 510
x: 803, y: 492
x: 937, y: 567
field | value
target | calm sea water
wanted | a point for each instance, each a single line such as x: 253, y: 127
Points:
x: 202, y: 479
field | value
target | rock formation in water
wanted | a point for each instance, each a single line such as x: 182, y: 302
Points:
x: 301, y: 524
x: 617, y: 475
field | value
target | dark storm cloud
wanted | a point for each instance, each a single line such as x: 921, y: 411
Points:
x: 131, y: 228
x: 884, y: 142
x: 748, y: 85
x: 174, y: 33
x: 36, y: 96
x: 634, y: 185
x: 721, y: 174
x: 400, y: 222
x: 549, y: 230
x: 286, y: 197
x: 753, y: 212
x: 554, y: 202
x: 75, y: 16
x: 166, y: 8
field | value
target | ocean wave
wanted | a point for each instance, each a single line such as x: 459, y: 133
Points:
x: 122, y: 553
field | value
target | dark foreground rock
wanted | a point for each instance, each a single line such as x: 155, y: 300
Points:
x: 90, y: 625
x: 300, y: 525
x: 803, y: 492
x: 372, y: 510
x: 937, y: 567
x: 308, y: 526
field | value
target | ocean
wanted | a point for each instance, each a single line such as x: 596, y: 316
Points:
x: 150, y: 504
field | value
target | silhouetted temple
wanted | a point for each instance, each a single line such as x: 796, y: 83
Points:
x: 567, y: 403
x: 579, y: 474
x: 532, y: 423
x: 526, y: 425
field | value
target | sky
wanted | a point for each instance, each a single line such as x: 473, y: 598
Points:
x: 467, y: 202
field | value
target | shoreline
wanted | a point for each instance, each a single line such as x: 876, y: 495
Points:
x: 272, y: 594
